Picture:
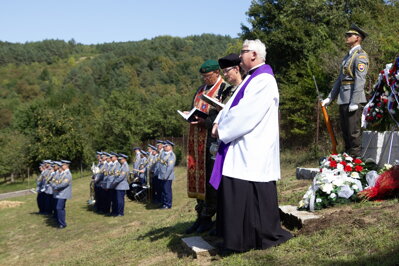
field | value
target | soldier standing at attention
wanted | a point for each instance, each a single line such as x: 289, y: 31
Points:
x: 112, y: 174
x: 120, y: 185
x: 156, y: 188
x: 62, y: 191
x: 349, y: 88
x: 39, y: 186
x: 167, y: 174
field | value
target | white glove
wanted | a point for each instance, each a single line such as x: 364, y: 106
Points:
x: 353, y: 107
x: 325, y: 102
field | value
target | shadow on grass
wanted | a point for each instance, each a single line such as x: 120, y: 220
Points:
x: 389, y: 257
x: 175, y: 233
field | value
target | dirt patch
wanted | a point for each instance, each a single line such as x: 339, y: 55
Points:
x: 9, y: 204
x: 348, y: 216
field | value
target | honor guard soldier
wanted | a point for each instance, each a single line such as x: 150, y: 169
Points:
x: 167, y: 174
x: 104, y: 184
x: 63, y: 191
x: 157, y: 190
x: 142, y: 170
x: 94, y: 168
x: 39, y: 187
x: 112, y: 174
x: 48, y: 189
x: 46, y: 198
x: 99, y: 186
x: 349, y: 88
x: 137, y: 159
x: 120, y: 186
x: 54, y: 179
x: 152, y: 152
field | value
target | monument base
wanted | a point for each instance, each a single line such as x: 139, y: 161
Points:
x: 381, y: 147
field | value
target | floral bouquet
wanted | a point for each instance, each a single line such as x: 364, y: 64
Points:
x: 340, y: 178
x: 383, y: 107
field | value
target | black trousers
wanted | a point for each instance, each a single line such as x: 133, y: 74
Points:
x: 41, y: 202
x: 248, y: 215
x: 350, y: 126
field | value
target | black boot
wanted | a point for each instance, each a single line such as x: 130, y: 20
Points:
x: 193, y: 227
x: 205, y: 224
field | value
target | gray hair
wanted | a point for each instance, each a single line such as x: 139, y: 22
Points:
x: 256, y: 46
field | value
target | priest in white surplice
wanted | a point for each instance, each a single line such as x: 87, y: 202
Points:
x: 247, y: 165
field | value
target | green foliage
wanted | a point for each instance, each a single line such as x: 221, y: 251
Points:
x: 306, y: 38
x: 67, y: 100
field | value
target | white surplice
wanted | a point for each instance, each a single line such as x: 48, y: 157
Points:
x: 252, y: 128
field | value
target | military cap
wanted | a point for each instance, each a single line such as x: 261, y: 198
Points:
x: 58, y: 163
x: 354, y: 29
x: 136, y: 148
x: 47, y: 161
x: 144, y: 153
x: 65, y: 162
x: 99, y: 152
x: 168, y: 142
x: 208, y: 66
x: 106, y: 154
x: 152, y: 146
x: 121, y: 155
x: 229, y: 61
x: 160, y: 141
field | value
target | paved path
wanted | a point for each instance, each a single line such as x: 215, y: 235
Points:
x: 16, y: 194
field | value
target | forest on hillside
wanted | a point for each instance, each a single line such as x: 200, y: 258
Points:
x: 62, y: 99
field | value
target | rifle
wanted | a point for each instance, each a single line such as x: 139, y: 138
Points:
x: 326, y: 120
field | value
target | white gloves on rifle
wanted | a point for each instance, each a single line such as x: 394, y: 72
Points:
x: 353, y: 107
x: 326, y: 102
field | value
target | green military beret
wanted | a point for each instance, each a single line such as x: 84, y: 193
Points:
x: 208, y: 66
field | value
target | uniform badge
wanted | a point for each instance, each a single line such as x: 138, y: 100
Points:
x: 203, y: 106
x: 361, y: 67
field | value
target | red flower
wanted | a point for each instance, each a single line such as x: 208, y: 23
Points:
x: 333, y: 164
x: 343, y: 163
x: 358, y: 168
x: 379, y: 115
x: 357, y: 161
x: 348, y: 168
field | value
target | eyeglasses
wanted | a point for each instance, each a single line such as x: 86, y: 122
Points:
x: 226, y: 70
x: 245, y: 51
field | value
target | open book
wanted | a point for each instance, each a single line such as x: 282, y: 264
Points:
x: 212, y: 101
x: 191, y: 116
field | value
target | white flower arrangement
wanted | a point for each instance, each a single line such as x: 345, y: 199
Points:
x: 339, y: 180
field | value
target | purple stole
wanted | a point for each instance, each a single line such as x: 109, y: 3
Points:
x: 217, y: 171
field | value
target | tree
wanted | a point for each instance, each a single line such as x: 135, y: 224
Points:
x: 305, y: 38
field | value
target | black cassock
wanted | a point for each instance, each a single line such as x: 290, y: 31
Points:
x: 248, y: 215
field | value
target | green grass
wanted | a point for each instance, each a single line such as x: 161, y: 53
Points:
x: 363, y: 233
x: 17, y: 185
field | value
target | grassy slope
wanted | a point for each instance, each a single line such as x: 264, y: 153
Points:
x: 358, y: 233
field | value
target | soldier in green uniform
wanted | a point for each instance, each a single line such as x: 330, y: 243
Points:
x: 349, y: 89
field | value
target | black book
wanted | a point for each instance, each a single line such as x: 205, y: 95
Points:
x: 212, y: 101
x: 191, y: 116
